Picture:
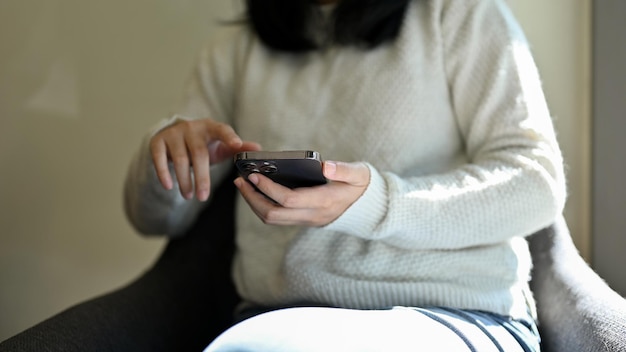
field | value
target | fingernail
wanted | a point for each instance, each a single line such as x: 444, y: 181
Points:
x: 254, y: 178
x: 238, y: 182
x: 188, y: 195
x: 203, y: 195
x: 236, y: 141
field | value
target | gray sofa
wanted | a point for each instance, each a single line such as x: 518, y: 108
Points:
x: 185, y: 299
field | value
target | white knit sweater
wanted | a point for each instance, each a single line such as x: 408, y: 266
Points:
x: 452, y: 120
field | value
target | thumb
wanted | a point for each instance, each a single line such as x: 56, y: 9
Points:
x: 356, y: 174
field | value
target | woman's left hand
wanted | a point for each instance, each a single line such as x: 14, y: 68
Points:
x: 307, y: 206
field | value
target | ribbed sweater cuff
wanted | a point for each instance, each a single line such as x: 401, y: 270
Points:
x: 363, y: 217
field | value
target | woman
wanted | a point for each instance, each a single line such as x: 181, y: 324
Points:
x: 446, y: 159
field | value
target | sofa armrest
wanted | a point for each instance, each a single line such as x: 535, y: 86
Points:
x: 180, y: 304
x: 577, y: 310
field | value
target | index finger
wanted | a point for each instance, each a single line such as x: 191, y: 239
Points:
x: 286, y: 197
x: 224, y: 133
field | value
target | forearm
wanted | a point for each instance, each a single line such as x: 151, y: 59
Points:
x: 482, y: 203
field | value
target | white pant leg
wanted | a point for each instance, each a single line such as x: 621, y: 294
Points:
x: 333, y: 329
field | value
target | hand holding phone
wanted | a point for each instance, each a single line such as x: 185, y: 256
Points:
x: 275, y: 204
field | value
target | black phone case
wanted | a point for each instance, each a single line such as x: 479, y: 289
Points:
x: 292, y: 173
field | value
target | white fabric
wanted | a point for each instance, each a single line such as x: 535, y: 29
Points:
x: 330, y: 329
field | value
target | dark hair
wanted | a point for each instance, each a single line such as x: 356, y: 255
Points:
x: 284, y: 24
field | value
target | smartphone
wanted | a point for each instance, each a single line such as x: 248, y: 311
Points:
x: 293, y: 169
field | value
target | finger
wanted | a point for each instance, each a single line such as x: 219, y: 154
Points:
x: 159, y: 159
x: 200, y: 161
x: 255, y: 199
x: 180, y: 159
x: 282, y: 195
x: 314, y: 197
x: 356, y: 174
x: 220, y: 151
x: 250, y: 146
x: 269, y: 211
x: 225, y: 133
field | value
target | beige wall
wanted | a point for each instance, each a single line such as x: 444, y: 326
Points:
x: 80, y: 81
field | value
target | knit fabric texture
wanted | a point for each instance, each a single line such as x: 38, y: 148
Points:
x: 453, y: 124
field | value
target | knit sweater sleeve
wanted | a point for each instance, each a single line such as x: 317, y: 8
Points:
x: 150, y: 208
x: 513, y: 183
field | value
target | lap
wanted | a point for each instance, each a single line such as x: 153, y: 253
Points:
x: 309, y: 329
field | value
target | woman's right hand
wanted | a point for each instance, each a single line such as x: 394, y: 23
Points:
x: 197, y: 143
